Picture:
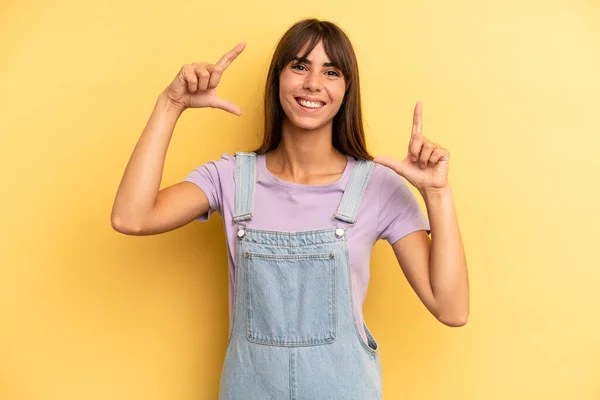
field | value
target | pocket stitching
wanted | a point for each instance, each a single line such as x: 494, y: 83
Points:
x: 330, y: 333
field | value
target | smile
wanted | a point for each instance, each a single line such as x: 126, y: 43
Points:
x: 312, y: 105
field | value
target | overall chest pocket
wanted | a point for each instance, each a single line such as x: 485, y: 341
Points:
x: 290, y: 299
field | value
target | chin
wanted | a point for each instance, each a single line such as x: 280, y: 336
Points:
x: 306, y: 124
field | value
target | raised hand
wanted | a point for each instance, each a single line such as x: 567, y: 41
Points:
x: 426, y: 165
x: 195, y: 84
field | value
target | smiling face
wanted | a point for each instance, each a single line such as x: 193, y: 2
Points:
x: 311, y: 90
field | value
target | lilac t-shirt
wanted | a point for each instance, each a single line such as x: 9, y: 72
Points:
x: 389, y: 211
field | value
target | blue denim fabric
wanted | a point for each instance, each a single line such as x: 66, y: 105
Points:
x: 293, y: 334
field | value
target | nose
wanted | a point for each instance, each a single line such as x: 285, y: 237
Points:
x: 312, y: 81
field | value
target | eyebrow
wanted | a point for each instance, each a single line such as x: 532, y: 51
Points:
x: 307, y: 61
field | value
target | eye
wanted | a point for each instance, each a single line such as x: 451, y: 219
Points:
x: 336, y: 74
x: 297, y: 65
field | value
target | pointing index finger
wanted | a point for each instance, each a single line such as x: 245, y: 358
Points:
x: 228, y: 58
x: 417, y: 127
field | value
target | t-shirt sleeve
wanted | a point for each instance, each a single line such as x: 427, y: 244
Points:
x: 212, y: 178
x: 399, y: 211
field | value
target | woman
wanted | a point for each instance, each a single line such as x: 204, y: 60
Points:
x: 301, y: 215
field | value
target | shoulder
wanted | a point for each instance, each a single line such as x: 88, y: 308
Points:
x: 221, y: 165
x: 386, y: 179
x: 388, y: 186
x: 227, y: 160
x: 214, y: 171
x: 383, y: 174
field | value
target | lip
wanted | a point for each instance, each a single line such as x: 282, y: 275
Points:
x: 308, y: 109
x: 310, y: 99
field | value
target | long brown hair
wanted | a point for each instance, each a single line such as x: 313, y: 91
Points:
x: 348, y: 134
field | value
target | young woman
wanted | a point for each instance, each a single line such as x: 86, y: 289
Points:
x: 301, y: 215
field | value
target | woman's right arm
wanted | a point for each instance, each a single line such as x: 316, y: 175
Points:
x: 140, y: 208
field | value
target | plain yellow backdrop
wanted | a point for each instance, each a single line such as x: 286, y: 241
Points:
x: 511, y: 88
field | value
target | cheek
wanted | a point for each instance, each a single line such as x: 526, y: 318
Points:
x: 338, y: 94
x: 283, y: 92
x: 337, y: 91
x: 288, y: 81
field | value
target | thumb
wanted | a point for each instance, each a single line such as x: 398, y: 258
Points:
x: 397, y: 166
x: 227, y: 106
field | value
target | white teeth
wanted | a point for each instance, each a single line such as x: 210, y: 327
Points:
x: 310, y: 104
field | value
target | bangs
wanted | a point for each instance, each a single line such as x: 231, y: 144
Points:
x: 332, y: 43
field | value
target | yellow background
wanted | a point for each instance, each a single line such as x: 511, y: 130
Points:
x: 511, y: 88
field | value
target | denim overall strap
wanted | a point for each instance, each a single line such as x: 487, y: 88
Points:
x: 245, y: 181
x: 355, y: 189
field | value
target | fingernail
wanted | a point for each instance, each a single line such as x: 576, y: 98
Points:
x: 414, y: 159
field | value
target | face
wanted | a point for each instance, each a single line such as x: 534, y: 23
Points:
x: 311, y: 90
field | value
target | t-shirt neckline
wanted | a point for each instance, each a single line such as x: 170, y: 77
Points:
x: 262, y: 169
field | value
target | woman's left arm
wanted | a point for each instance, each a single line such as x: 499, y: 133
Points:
x: 436, y: 268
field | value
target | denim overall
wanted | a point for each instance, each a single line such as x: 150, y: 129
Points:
x: 293, y: 333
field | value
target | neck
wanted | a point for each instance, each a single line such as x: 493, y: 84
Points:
x: 304, y: 152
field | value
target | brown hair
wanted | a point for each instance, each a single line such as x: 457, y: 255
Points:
x: 347, y: 132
